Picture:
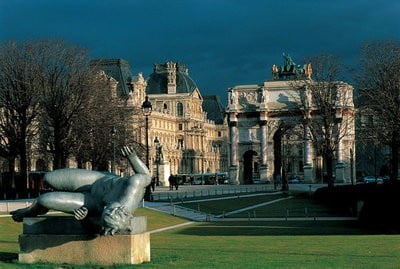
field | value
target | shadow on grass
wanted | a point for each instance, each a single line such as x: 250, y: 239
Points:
x: 8, y: 256
x: 279, y: 228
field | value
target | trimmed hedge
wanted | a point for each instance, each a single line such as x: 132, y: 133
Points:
x: 380, y: 203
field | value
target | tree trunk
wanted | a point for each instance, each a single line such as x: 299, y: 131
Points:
x: 79, y: 162
x: 23, y: 162
x: 11, y: 170
x: 395, y: 157
x: 103, y: 166
x: 57, y: 162
x: 329, y: 167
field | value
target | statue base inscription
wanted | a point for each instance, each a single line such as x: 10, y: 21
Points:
x: 73, y: 246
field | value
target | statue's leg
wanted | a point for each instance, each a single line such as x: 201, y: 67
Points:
x: 61, y: 201
x: 71, y: 179
x: 30, y: 211
x: 70, y: 201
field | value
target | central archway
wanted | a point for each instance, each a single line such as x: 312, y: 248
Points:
x: 278, y: 154
x: 250, y: 166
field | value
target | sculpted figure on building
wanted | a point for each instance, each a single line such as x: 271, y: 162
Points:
x: 290, y: 70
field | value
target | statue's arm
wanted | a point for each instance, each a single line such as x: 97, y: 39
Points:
x: 137, y: 165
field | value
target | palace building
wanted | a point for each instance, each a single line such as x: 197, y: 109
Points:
x: 188, y: 130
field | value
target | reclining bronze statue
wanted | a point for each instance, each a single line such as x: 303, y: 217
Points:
x: 93, y: 197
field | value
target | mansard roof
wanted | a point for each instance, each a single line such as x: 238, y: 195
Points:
x: 212, y: 105
x: 158, y: 81
x: 119, y: 69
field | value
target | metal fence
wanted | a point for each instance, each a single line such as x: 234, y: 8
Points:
x: 165, y: 196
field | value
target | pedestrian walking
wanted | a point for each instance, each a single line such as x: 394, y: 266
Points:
x: 176, y: 182
x: 171, y: 182
x: 153, y: 183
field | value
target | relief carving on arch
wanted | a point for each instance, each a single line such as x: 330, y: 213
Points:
x: 249, y: 97
x: 272, y: 125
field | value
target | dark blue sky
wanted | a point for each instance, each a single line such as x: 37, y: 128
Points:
x: 222, y: 42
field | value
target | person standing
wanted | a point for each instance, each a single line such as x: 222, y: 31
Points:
x: 176, y: 182
x: 153, y: 183
x: 171, y: 182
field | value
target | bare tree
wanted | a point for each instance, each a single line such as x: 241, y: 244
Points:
x: 104, y: 124
x: 19, y: 101
x: 327, y: 108
x: 51, y: 94
x: 378, y: 77
x: 65, y: 83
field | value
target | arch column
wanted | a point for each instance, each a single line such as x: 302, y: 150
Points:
x: 339, y: 169
x: 234, y: 141
x: 307, y: 156
x: 264, y: 147
x: 340, y: 177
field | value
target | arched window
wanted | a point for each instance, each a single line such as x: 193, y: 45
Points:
x: 165, y: 106
x: 41, y: 165
x: 179, y: 108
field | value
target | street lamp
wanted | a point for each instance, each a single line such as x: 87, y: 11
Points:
x: 113, y: 132
x: 146, y: 107
x: 157, y: 146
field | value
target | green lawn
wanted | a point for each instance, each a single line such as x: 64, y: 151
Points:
x: 218, y: 206
x: 299, y: 206
x: 307, y: 244
x: 156, y: 219
x: 9, y: 231
x: 295, y: 207
x: 274, y: 245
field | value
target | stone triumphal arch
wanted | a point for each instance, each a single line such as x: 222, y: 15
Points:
x: 269, y: 138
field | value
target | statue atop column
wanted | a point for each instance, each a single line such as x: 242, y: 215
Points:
x: 160, y: 154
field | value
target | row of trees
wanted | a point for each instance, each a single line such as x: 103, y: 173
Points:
x: 377, y: 80
x: 51, y: 97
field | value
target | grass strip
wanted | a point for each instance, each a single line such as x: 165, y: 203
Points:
x: 217, y: 207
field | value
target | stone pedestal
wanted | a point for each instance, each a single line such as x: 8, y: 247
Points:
x: 233, y: 175
x: 65, y: 240
x: 340, y: 178
x: 308, y: 174
x: 164, y: 171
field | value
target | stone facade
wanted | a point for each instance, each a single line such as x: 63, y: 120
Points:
x: 192, y: 140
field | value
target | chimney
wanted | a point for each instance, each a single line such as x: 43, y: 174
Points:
x: 171, y: 70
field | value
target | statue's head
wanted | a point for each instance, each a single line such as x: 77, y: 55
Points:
x: 115, y: 218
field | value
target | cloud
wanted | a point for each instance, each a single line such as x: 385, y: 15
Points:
x: 223, y: 42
